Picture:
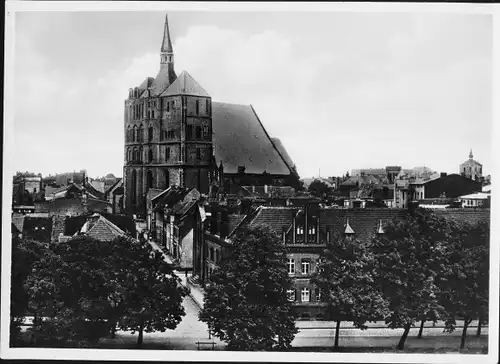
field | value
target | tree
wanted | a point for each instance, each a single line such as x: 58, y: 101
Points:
x: 345, y: 280
x: 24, y: 256
x: 467, y: 277
x: 408, y: 258
x: 68, y: 293
x: 147, y: 295
x: 318, y: 188
x: 246, y: 303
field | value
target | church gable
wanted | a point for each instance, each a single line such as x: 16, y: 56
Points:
x: 185, y: 84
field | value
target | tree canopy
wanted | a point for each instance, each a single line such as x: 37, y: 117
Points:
x: 345, y: 279
x: 246, y: 303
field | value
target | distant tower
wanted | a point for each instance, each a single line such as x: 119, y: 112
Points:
x: 168, y: 133
x: 471, y: 168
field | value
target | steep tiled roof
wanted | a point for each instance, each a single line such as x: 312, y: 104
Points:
x: 180, y: 200
x: 18, y: 221
x: 234, y: 221
x: 364, y: 222
x: 240, y: 139
x: 104, y: 230
x: 185, y: 84
x: 277, y: 218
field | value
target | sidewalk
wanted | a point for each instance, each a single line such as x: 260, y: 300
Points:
x: 196, y: 293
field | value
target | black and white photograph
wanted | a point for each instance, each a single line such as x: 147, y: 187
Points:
x: 246, y: 181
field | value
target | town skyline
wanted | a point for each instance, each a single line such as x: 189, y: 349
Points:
x: 431, y: 81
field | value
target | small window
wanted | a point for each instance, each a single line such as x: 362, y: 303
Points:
x: 168, y: 106
x: 290, y: 294
x: 167, y: 153
x: 305, y: 295
x: 207, y: 105
x: 198, y: 153
x: 197, y: 107
x: 198, y: 132
x: 189, y: 132
x: 150, y: 156
x: 291, y: 266
x: 150, y: 134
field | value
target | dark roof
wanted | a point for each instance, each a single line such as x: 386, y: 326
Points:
x: 240, y: 139
x: 180, y: 200
x: 185, y: 84
x: 14, y: 229
x: 281, y: 148
x: 102, y: 229
x: 277, y: 218
x: 18, y: 221
x: 234, y: 221
x: 364, y: 222
x: 468, y: 215
x: 38, y: 229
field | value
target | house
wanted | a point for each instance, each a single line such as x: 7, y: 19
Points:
x: 95, y: 226
x: 175, y: 218
x: 114, y: 195
x: 37, y: 229
x: 478, y: 199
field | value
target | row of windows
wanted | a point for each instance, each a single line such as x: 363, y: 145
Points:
x: 136, y: 154
x: 305, y: 266
x: 137, y: 135
x: 305, y: 295
x: 137, y: 111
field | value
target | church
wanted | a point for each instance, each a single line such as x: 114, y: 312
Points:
x: 176, y: 135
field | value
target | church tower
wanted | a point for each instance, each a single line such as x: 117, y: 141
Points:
x: 168, y: 133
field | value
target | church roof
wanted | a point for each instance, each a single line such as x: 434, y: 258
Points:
x: 239, y: 139
x: 282, y: 150
x: 185, y: 84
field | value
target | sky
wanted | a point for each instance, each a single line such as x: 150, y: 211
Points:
x: 342, y: 90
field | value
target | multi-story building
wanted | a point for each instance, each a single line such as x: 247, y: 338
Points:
x: 176, y: 135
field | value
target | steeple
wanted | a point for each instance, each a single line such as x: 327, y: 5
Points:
x: 167, y: 51
x: 471, y: 156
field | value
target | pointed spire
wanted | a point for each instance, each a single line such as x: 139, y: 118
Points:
x: 471, y: 156
x: 380, y: 228
x: 166, y: 46
x: 348, y: 229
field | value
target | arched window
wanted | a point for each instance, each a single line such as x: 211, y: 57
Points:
x: 141, y: 134
x: 129, y: 154
x: 140, y: 154
x: 150, y: 156
x: 211, y: 257
x: 167, y: 153
x: 197, y: 107
x: 206, y: 105
x: 136, y: 155
x: 133, y: 181
x: 198, y: 132
x: 150, y: 179
x: 150, y: 134
x: 189, y: 132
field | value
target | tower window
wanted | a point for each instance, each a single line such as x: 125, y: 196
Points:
x: 168, y: 106
x: 198, y: 132
x: 198, y: 153
x: 206, y: 105
x: 150, y: 156
x: 150, y: 179
x: 197, y: 107
x: 205, y: 132
x: 189, y: 132
x: 167, y: 153
x: 150, y: 134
